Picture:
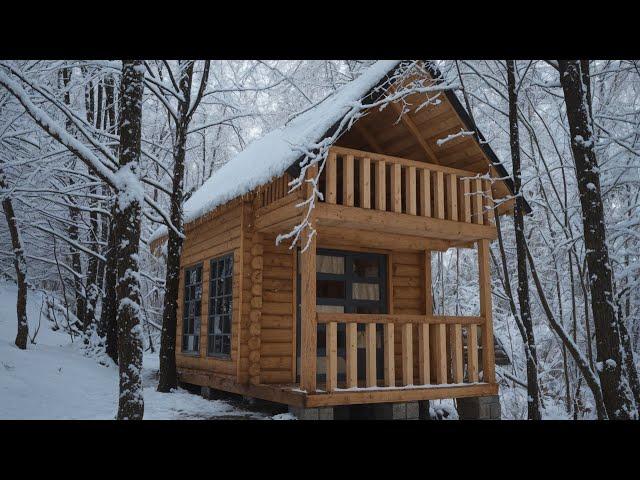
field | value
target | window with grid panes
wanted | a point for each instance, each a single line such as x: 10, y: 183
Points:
x: 191, y: 311
x: 220, y: 306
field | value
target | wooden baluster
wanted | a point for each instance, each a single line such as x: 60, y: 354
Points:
x: 332, y: 356
x: 438, y: 194
x: 396, y: 188
x: 347, y: 181
x: 477, y: 201
x: 464, y: 201
x: 332, y: 179
x: 407, y: 354
x: 410, y: 189
x: 365, y: 183
x: 452, y: 197
x: 439, y: 339
x: 381, y: 185
x: 352, y: 355
x: 425, y: 192
x: 457, y: 361
x: 484, y: 274
x: 472, y: 353
x: 389, y: 355
x: 488, y: 203
x: 370, y: 352
x: 423, y: 329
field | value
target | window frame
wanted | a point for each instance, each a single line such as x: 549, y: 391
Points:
x: 186, y: 303
x: 212, y: 314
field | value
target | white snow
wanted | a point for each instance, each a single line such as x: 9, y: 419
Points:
x: 53, y: 379
x: 269, y: 156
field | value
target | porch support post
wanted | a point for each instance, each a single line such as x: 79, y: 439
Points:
x: 308, y: 321
x: 484, y: 281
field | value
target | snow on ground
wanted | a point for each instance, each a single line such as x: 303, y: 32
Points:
x: 53, y: 379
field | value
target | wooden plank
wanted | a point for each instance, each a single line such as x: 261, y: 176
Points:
x: 464, y: 200
x: 452, y: 197
x: 410, y: 190
x: 332, y: 356
x: 347, y: 181
x: 389, y: 355
x: 425, y: 192
x: 407, y: 354
x: 365, y: 183
x: 472, y: 353
x: 341, y: 238
x: 396, y: 188
x: 438, y: 195
x: 477, y: 202
x: 399, y: 223
x: 370, y: 353
x: 331, y: 178
x: 352, y: 355
x: 394, y: 395
x: 381, y: 185
x: 484, y: 283
x: 354, y: 318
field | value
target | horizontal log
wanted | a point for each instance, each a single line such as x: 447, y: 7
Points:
x: 395, y: 318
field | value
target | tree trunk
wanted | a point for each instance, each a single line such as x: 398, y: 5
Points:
x: 533, y: 389
x: 20, y: 266
x: 168, y: 371
x: 108, y: 319
x: 609, y: 351
x: 127, y: 230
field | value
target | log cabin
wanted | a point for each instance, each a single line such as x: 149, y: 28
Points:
x: 348, y: 321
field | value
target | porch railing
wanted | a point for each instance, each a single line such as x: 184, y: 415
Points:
x: 361, y: 179
x: 448, y: 348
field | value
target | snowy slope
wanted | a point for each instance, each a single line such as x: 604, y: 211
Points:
x: 268, y: 157
x: 54, y: 380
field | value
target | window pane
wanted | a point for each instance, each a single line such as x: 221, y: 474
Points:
x: 330, y: 264
x: 226, y: 344
x: 366, y: 291
x: 330, y: 289
x: 367, y: 309
x: 366, y: 266
x: 330, y: 308
x: 226, y: 324
x: 228, y: 285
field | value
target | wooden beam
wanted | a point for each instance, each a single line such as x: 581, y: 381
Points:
x: 400, y: 223
x: 402, y: 319
x: 309, y: 333
x: 338, y: 237
x: 484, y: 274
x: 392, y: 395
x: 413, y: 129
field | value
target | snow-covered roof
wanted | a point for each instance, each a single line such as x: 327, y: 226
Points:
x: 270, y: 156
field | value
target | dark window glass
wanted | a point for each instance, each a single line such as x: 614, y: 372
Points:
x: 366, y: 266
x: 330, y: 289
x: 191, y: 310
x: 220, y: 306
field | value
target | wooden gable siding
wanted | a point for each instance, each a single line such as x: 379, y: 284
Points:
x: 219, y: 235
